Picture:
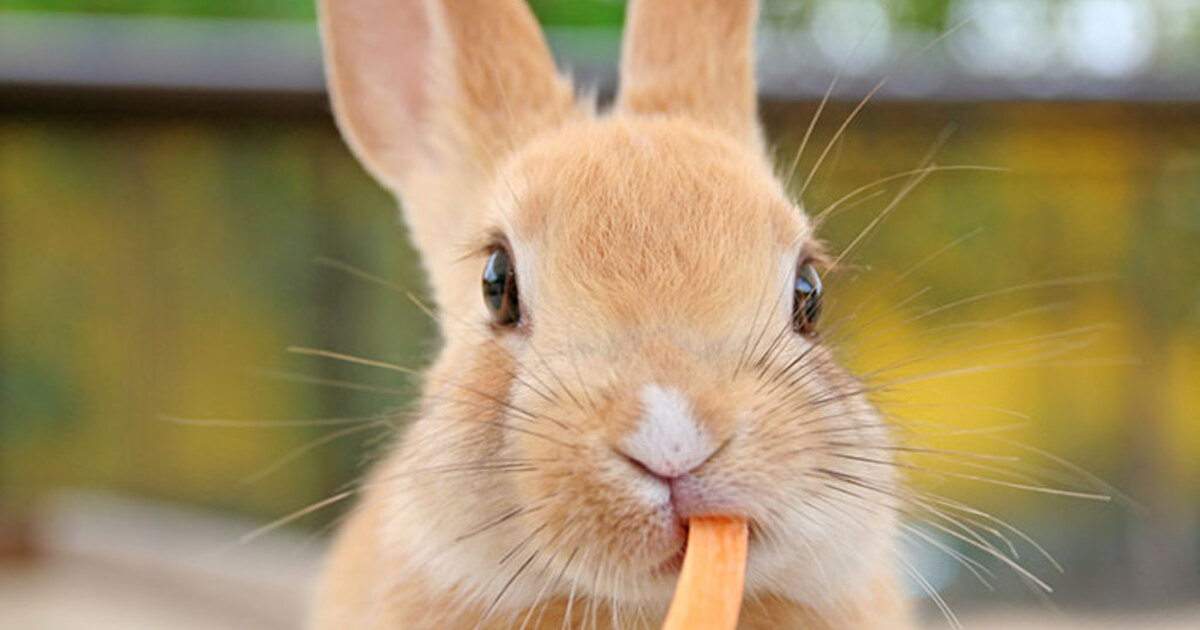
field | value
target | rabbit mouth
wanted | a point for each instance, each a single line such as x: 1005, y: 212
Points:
x: 674, y: 563
x: 676, y: 535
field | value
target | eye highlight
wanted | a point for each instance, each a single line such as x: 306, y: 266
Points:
x: 500, y: 289
x: 806, y: 309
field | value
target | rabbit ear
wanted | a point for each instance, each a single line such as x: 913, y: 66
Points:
x: 693, y: 57
x: 431, y: 94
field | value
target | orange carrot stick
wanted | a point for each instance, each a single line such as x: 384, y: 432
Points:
x: 708, y: 595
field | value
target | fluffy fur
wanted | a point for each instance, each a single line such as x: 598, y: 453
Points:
x: 653, y: 246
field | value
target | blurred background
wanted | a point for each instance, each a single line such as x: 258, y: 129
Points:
x: 177, y: 210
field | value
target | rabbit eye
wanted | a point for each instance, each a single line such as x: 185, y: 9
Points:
x: 806, y: 309
x: 500, y: 289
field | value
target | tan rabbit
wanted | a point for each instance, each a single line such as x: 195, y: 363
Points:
x: 645, y: 347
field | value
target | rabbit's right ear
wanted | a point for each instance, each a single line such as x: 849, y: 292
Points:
x: 692, y: 57
x: 431, y: 94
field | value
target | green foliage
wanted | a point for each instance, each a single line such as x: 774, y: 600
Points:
x: 272, y: 9
x: 929, y: 14
x: 558, y: 12
x: 579, y: 12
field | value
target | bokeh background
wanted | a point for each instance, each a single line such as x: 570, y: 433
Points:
x: 177, y: 210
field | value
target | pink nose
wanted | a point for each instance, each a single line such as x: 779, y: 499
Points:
x: 668, y: 465
x: 668, y: 440
x: 691, y: 495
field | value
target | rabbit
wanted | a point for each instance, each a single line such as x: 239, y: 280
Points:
x: 645, y: 347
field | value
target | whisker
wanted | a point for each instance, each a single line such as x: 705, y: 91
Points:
x: 265, y: 424
x: 507, y: 585
x: 522, y: 544
x: 824, y: 214
x: 973, y: 566
x: 999, y: 522
x: 824, y: 101
x: 505, y: 517
x: 309, y: 447
x: 966, y: 525
x: 908, y: 187
x: 991, y: 551
x: 358, y: 273
x: 328, y: 382
x: 987, y: 295
x: 934, y: 596
x: 1079, y: 470
x: 280, y: 522
x: 546, y: 392
x: 338, y: 356
x: 1091, y: 496
x: 812, y: 173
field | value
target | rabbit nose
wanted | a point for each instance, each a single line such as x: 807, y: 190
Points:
x: 667, y: 442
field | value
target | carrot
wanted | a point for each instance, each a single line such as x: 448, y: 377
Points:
x: 708, y: 595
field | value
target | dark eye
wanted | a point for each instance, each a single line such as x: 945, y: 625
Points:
x: 500, y: 289
x: 806, y: 309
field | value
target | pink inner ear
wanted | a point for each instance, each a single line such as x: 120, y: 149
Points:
x: 409, y: 51
x: 379, y: 53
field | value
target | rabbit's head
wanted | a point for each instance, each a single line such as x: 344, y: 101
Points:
x: 646, y: 344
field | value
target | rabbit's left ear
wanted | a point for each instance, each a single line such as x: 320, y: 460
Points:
x: 692, y: 57
x: 446, y: 82
x: 431, y: 95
